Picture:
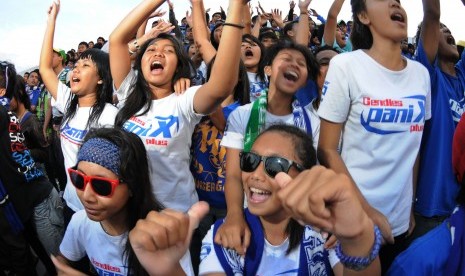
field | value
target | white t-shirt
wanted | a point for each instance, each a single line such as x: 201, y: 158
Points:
x: 72, y: 134
x: 237, y: 125
x: 274, y: 259
x: 166, y: 131
x: 384, y: 113
x: 87, y: 237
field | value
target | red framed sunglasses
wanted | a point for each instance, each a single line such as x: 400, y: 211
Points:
x: 102, y: 186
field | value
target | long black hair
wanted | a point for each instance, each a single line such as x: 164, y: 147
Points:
x: 140, y: 98
x: 303, y: 149
x: 104, y: 90
x: 360, y: 35
x: 134, y: 171
x: 19, y: 93
x: 241, y: 90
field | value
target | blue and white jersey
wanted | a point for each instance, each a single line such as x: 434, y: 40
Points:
x: 437, y: 186
x: 384, y: 114
x: 257, y: 87
x: 72, y: 135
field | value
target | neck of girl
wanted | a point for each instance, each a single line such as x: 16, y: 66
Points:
x: 274, y: 227
x: 388, y: 54
x: 447, y: 67
x: 279, y: 103
x: 87, y: 100
x: 160, y: 92
x: 117, y: 224
x: 20, y: 112
x: 252, y: 69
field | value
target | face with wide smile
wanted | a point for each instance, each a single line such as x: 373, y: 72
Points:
x: 261, y: 189
x: 250, y: 55
x: 288, y: 71
x: 100, y: 208
x: 159, y: 63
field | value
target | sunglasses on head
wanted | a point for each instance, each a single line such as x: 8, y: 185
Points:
x: 102, y: 186
x: 273, y: 165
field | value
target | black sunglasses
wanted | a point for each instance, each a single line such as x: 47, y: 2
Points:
x: 273, y: 165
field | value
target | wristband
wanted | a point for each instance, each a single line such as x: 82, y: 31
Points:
x: 233, y: 25
x: 360, y: 263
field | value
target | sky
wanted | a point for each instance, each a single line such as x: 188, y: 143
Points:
x: 23, y: 22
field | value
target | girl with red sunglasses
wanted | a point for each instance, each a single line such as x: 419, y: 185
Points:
x: 112, y: 181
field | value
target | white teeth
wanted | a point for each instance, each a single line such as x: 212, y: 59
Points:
x: 75, y: 79
x: 156, y: 62
x: 258, y: 191
x: 293, y: 74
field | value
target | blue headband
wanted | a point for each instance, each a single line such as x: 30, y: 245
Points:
x: 101, y: 152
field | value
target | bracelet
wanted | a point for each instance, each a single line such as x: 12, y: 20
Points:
x: 136, y: 45
x: 360, y: 263
x: 233, y: 25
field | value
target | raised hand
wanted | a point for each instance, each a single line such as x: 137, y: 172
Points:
x: 276, y: 15
x: 54, y: 9
x: 160, y: 28
x: 160, y: 240
x: 323, y: 199
x: 292, y: 4
x: 157, y: 13
x: 303, y: 4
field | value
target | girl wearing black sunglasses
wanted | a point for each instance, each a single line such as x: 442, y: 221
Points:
x: 112, y: 181
x: 279, y: 241
x: 279, y: 204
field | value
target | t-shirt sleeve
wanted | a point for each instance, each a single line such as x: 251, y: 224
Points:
x: 209, y: 262
x: 461, y: 64
x: 62, y: 99
x: 186, y: 102
x: 71, y: 247
x: 125, y: 88
x: 423, y: 59
x: 235, y: 129
x: 335, y: 101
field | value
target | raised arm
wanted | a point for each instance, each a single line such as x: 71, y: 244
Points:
x: 329, y: 157
x: 303, y: 30
x: 174, y: 22
x: 430, y: 31
x: 49, y: 76
x: 224, y: 75
x: 120, y: 62
x: 329, y: 34
x: 200, y: 31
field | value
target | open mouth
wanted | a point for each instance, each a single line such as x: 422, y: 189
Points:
x: 156, y: 65
x: 248, y: 53
x: 398, y: 17
x: 75, y: 80
x: 291, y: 76
x: 258, y: 195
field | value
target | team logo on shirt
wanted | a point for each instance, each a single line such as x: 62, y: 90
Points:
x: 389, y: 116
x: 457, y: 108
x: 74, y: 135
x: 155, y: 131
